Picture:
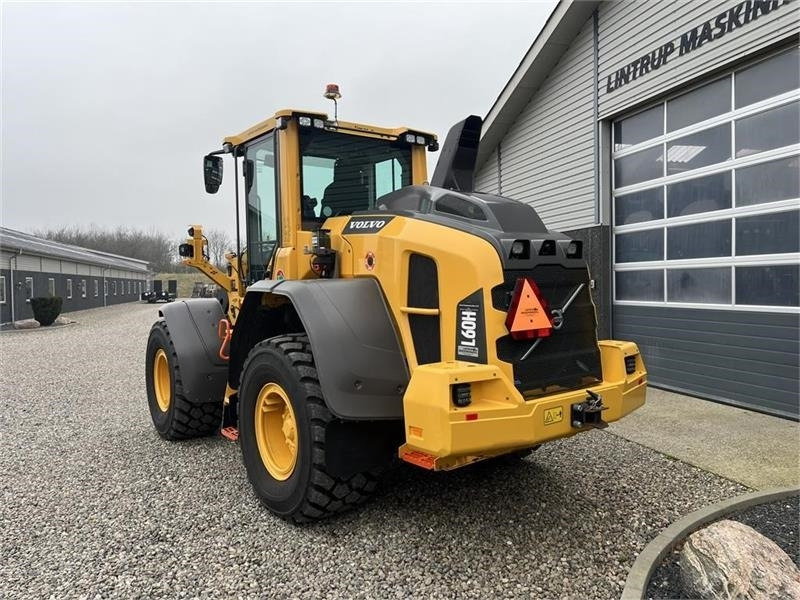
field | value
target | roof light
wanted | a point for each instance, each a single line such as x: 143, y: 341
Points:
x: 332, y: 92
x: 411, y: 138
x: 420, y: 140
x: 319, y: 123
x: 528, y: 317
x: 304, y: 121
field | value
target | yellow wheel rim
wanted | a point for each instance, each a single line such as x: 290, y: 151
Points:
x: 161, y: 380
x: 276, y: 431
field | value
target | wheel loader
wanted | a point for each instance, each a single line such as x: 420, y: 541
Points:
x: 372, y: 315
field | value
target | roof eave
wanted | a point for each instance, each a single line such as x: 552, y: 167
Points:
x: 555, y: 37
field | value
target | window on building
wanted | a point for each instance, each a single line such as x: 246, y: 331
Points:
x: 2, y: 289
x: 130, y: 283
x: 69, y: 289
x: 96, y: 288
x: 114, y: 287
x: 105, y: 287
x: 706, y: 188
x: 121, y: 288
x: 140, y: 288
x: 83, y: 288
x: 51, y: 286
x: 28, y: 289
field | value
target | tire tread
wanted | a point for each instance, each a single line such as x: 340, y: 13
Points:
x: 326, y: 495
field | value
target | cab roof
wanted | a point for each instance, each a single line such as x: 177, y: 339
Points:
x: 344, y: 126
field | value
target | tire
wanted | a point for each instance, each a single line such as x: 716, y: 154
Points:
x: 282, y: 368
x: 174, y: 416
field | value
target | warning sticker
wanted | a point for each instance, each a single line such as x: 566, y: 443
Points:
x: 553, y: 415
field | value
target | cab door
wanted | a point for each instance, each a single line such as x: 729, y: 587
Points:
x: 263, y: 206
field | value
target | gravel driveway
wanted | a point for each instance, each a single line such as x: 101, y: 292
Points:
x: 95, y: 504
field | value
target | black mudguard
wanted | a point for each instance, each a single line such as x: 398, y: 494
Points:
x: 193, y: 326
x: 357, y: 352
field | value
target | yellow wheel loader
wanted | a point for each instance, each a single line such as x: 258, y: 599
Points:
x: 370, y: 315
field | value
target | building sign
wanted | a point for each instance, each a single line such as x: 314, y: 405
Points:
x: 724, y: 23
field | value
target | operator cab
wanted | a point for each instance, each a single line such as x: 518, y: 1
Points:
x: 343, y: 168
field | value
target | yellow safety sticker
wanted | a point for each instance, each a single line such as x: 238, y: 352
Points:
x: 553, y: 415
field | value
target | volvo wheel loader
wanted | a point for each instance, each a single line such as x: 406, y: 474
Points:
x: 370, y: 315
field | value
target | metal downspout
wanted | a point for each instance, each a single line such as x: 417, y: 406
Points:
x: 11, y: 280
x: 608, y: 295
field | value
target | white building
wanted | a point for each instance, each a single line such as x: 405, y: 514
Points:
x: 666, y: 135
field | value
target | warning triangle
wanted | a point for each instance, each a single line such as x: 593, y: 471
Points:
x: 528, y: 313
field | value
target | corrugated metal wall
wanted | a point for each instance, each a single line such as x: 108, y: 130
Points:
x: 486, y: 177
x: 629, y: 30
x: 740, y: 357
x: 546, y: 158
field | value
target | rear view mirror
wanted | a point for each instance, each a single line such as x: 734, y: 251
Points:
x: 212, y: 173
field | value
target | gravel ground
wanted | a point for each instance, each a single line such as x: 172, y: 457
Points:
x: 95, y: 504
x: 775, y: 520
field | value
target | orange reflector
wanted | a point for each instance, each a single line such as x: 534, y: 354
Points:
x: 528, y: 317
x: 232, y: 433
x: 420, y: 459
x: 472, y: 416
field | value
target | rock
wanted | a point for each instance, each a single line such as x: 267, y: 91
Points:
x: 63, y: 321
x: 26, y: 324
x: 730, y: 560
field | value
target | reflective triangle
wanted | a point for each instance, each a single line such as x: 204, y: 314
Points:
x: 529, y: 314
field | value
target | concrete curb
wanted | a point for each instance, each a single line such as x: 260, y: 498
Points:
x: 655, y: 551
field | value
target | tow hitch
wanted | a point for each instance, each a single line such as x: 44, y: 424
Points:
x: 589, y: 413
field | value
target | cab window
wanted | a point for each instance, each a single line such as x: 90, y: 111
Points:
x: 342, y: 173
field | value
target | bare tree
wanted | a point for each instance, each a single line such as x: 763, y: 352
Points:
x: 219, y: 242
x: 154, y: 246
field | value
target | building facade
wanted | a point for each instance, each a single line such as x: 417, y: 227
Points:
x: 666, y: 135
x: 32, y: 267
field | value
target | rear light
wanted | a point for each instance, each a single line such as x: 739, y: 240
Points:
x: 520, y: 249
x: 462, y: 395
x: 574, y: 249
x: 548, y: 248
x: 630, y: 364
x: 529, y: 316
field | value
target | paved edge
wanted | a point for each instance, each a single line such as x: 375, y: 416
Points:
x: 656, y: 550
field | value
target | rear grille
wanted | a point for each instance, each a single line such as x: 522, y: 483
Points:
x: 569, y: 358
x: 423, y: 292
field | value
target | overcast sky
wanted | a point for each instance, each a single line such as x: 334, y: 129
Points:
x: 108, y: 108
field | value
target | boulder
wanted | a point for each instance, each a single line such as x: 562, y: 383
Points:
x: 730, y: 560
x: 62, y: 320
x: 26, y: 324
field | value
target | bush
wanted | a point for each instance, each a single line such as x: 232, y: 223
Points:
x: 46, y: 310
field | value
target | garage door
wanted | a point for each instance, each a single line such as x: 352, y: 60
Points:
x: 706, y: 188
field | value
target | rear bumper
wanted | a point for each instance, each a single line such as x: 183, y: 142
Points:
x: 440, y: 435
